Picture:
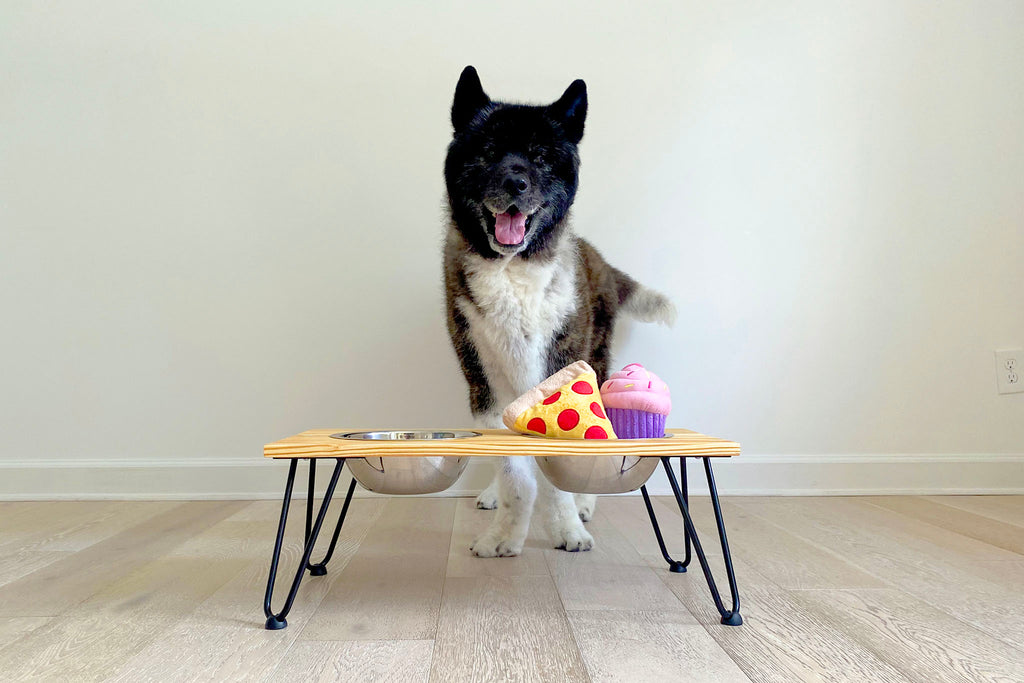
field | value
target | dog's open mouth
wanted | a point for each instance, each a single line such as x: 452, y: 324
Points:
x: 510, y: 226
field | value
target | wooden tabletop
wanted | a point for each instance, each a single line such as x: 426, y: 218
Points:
x: 317, y: 443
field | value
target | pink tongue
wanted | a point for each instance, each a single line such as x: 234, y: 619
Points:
x: 510, y: 229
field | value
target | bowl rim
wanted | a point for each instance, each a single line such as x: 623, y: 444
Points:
x: 364, y: 435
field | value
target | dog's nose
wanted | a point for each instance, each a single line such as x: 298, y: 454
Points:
x: 516, y: 184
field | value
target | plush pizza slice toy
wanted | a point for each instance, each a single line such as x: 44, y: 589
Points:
x: 567, y: 405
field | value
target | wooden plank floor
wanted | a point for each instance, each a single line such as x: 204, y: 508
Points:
x: 834, y: 589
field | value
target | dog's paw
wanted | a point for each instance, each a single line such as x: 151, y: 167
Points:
x: 486, y: 502
x: 585, y: 504
x: 491, y: 545
x: 574, y: 539
x: 488, y: 498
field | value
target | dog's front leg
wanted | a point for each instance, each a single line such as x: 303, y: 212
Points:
x: 488, y: 498
x: 562, y: 518
x: 517, y: 490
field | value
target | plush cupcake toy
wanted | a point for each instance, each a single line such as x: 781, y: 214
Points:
x: 637, y: 403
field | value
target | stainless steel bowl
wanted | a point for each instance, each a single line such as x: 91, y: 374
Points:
x: 597, y: 473
x: 406, y: 435
x: 398, y: 475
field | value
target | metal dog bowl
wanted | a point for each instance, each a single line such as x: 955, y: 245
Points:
x: 406, y: 435
x: 399, y: 475
x: 597, y: 473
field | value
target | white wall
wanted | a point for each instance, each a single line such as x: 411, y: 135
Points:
x: 220, y: 223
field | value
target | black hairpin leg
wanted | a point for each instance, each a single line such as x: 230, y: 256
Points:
x: 278, y: 621
x: 673, y: 565
x: 730, y: 617
x: 320, y: 568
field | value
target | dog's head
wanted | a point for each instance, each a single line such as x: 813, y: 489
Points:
x: 512, y: 169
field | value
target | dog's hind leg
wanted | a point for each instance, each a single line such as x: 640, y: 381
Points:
x: 517, y: 490
x: 586, y: 503
x: 488, y: 498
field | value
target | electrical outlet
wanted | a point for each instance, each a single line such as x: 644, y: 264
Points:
x: 1010, y: 371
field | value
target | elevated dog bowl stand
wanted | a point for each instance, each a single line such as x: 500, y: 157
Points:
x: 319, y: 444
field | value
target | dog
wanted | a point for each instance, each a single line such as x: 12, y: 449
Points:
x: 525, y: 296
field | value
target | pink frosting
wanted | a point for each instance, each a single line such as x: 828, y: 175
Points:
x: 636, y: 388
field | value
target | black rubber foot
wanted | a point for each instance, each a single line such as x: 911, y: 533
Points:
x: 317, y: 570
x: 733, y: 619
x: 677, y: 568
x: 275, y: 624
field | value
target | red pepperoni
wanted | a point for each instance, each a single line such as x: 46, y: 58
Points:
x: 595, y: 432
x: 583, y: 388
x: 568, y: 418
x: 552, y: 398
x: 595, y: 408
x: 537, y: 425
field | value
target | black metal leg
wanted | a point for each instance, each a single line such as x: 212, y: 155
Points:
x: 309, y: 499
x: 733, y: 618
x: 730, y: 617
x: 673, y: 565
x: 686, y: 499
x: 278, y: 621
x: 320, y: 568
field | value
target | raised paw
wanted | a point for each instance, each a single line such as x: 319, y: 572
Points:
x: 491, y: 545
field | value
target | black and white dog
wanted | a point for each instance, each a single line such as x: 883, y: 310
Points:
x: 525, y: 296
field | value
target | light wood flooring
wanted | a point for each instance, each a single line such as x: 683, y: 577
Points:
x: 833, y: 589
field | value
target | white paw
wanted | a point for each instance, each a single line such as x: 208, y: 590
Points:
x: 488, y: 500
x: 585, y: 504
x: 573, y: 538
x: 491, y: 545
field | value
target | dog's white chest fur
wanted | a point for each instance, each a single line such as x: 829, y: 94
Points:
x: 520, y: 307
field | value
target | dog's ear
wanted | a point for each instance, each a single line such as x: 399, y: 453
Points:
x: 470, y: 98
x: 571, y: 110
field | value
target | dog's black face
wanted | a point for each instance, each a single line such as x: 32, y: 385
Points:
x: 512, y: 169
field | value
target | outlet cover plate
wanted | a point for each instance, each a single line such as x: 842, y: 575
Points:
x: 1010, y: 371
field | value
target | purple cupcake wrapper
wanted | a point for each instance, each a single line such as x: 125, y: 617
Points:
x: 636, y: 424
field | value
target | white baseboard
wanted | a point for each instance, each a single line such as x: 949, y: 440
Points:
x: 750, y: 475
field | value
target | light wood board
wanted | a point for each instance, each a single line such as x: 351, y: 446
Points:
x: 873, y: 540
x: 501, y: 629
x: 173, y: 592
x: 650, y: 646
x: 318, y: 443
x: 399, y: 570
x: 365, y: 661
x: 914, y: 637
